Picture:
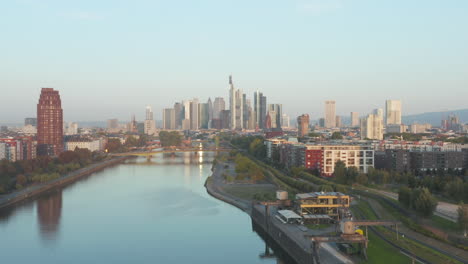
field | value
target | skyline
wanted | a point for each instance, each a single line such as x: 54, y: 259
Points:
x: 299, y: 53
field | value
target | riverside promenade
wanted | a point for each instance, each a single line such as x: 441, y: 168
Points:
x: 290, y: 238
x: 30, y: 192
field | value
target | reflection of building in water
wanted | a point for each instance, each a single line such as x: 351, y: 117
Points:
x: 49, y: 211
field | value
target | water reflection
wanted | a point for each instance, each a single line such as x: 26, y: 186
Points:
x: 49, y: 212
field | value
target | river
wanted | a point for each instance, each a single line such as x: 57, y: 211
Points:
x: 134, y: 212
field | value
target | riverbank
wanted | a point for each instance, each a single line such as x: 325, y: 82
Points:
x: 36, y: 190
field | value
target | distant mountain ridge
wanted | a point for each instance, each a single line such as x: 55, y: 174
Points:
x: 435, y: 118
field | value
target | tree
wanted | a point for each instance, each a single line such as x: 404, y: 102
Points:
x: 424, y: 203
x: 326, y: 188
x: 340, y: 172
x: 362, y: 179
x: 113, y: 145
x: 351, y: 174
x: 463, y: 217
x: 296, y: 171
x: 404, y: 196
x: 336, y: 135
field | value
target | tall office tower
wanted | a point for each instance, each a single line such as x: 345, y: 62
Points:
x: 303, y: 125
x: 260, y: 109
x: 210, y: 113
x: 186, y: 115
x: 235, y: 106
x: 245, y: 111
x: 354, y: 119
x: 178, y: 112
x: 225, y: 118
x: 49, y: 123
x: 285, y: 120
x: 393, y: 112
x: 112, y: 124
x: 330, y: 114
x: 30, y: 121
x: 169, y: 119
x: 194, y: 118
x: 338, y: 121
x: 149, y: 113
x: 218, y: 106
x: 379, y: 112
x: 203, y: 116
x: 371, y: 127
x: 249, y: 117
x: 276, y: 111
x: 321, y: 122
x: 149, y: 125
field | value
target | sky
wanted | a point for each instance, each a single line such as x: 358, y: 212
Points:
x: 111, y: 58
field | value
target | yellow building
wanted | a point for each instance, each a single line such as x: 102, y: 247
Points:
x: 322, y: 203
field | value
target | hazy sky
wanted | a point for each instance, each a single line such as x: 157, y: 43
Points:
x: 112, y: 58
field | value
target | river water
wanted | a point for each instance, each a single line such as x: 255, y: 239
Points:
x: 134, y: 212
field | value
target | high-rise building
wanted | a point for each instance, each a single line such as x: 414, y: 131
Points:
x: 371, y: 127
x: 178, y: 112
x: 275, y: 111
x: 218, y: 106
x: 194, y: 118
x: 235, y: 106
x: 169, y: 119
x: 210, y: 113
x: 30, y: 121
x: 225, y: 118
x: 149, y: 126
x: 260, y: 109
x: 303, y: 125
x: 330, y: 114
x: 354, y: 119
x: 393, y: 112
x: 203, y: 116
x: 49, y: 123
x: 338, y: 121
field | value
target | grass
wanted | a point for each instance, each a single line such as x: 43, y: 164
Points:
x: 319, y: 226
x: 250, y: 192
x: 410, y: 245
x: 380, y: 251
x: 443, y: 223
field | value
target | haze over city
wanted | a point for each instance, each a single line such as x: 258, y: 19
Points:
x: 112, y: 58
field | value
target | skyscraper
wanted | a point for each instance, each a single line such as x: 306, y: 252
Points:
x: 393, y: 112
x: 235, y: 106
x: 210, y: 113
x: 49, y: 123
x: 372, y: 127
x: 218, y: 106
x: 354, y: 119
x: 178, y: 112
x: 194, y: 118
x: 169, y: 119
x: 330, y: 114
x: 275, y: 111
x: 260, y: 108
x: 303, y: 125
x: 285, y: 121
x: 338, y: 121
x: 149, y: 124
x: 203, y: 116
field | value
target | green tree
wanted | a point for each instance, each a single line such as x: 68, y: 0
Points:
x: 362, y: 179
x: 404, y: 196
x: 463, y: 217
x: 340, y: 172
x: 326, y: 188
x: 336, y: 135
x: 424, y: 203
x: 351, y: 174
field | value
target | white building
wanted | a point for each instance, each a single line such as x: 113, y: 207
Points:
x: 29, y: 130
x: 330, y: 114
x: 236, y: 107
x: 285, y: 121
x: 3, y: 151
x: 419, y: 128
x: 92, y: 145
x: 393, y: 112
x: 371, y: 127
